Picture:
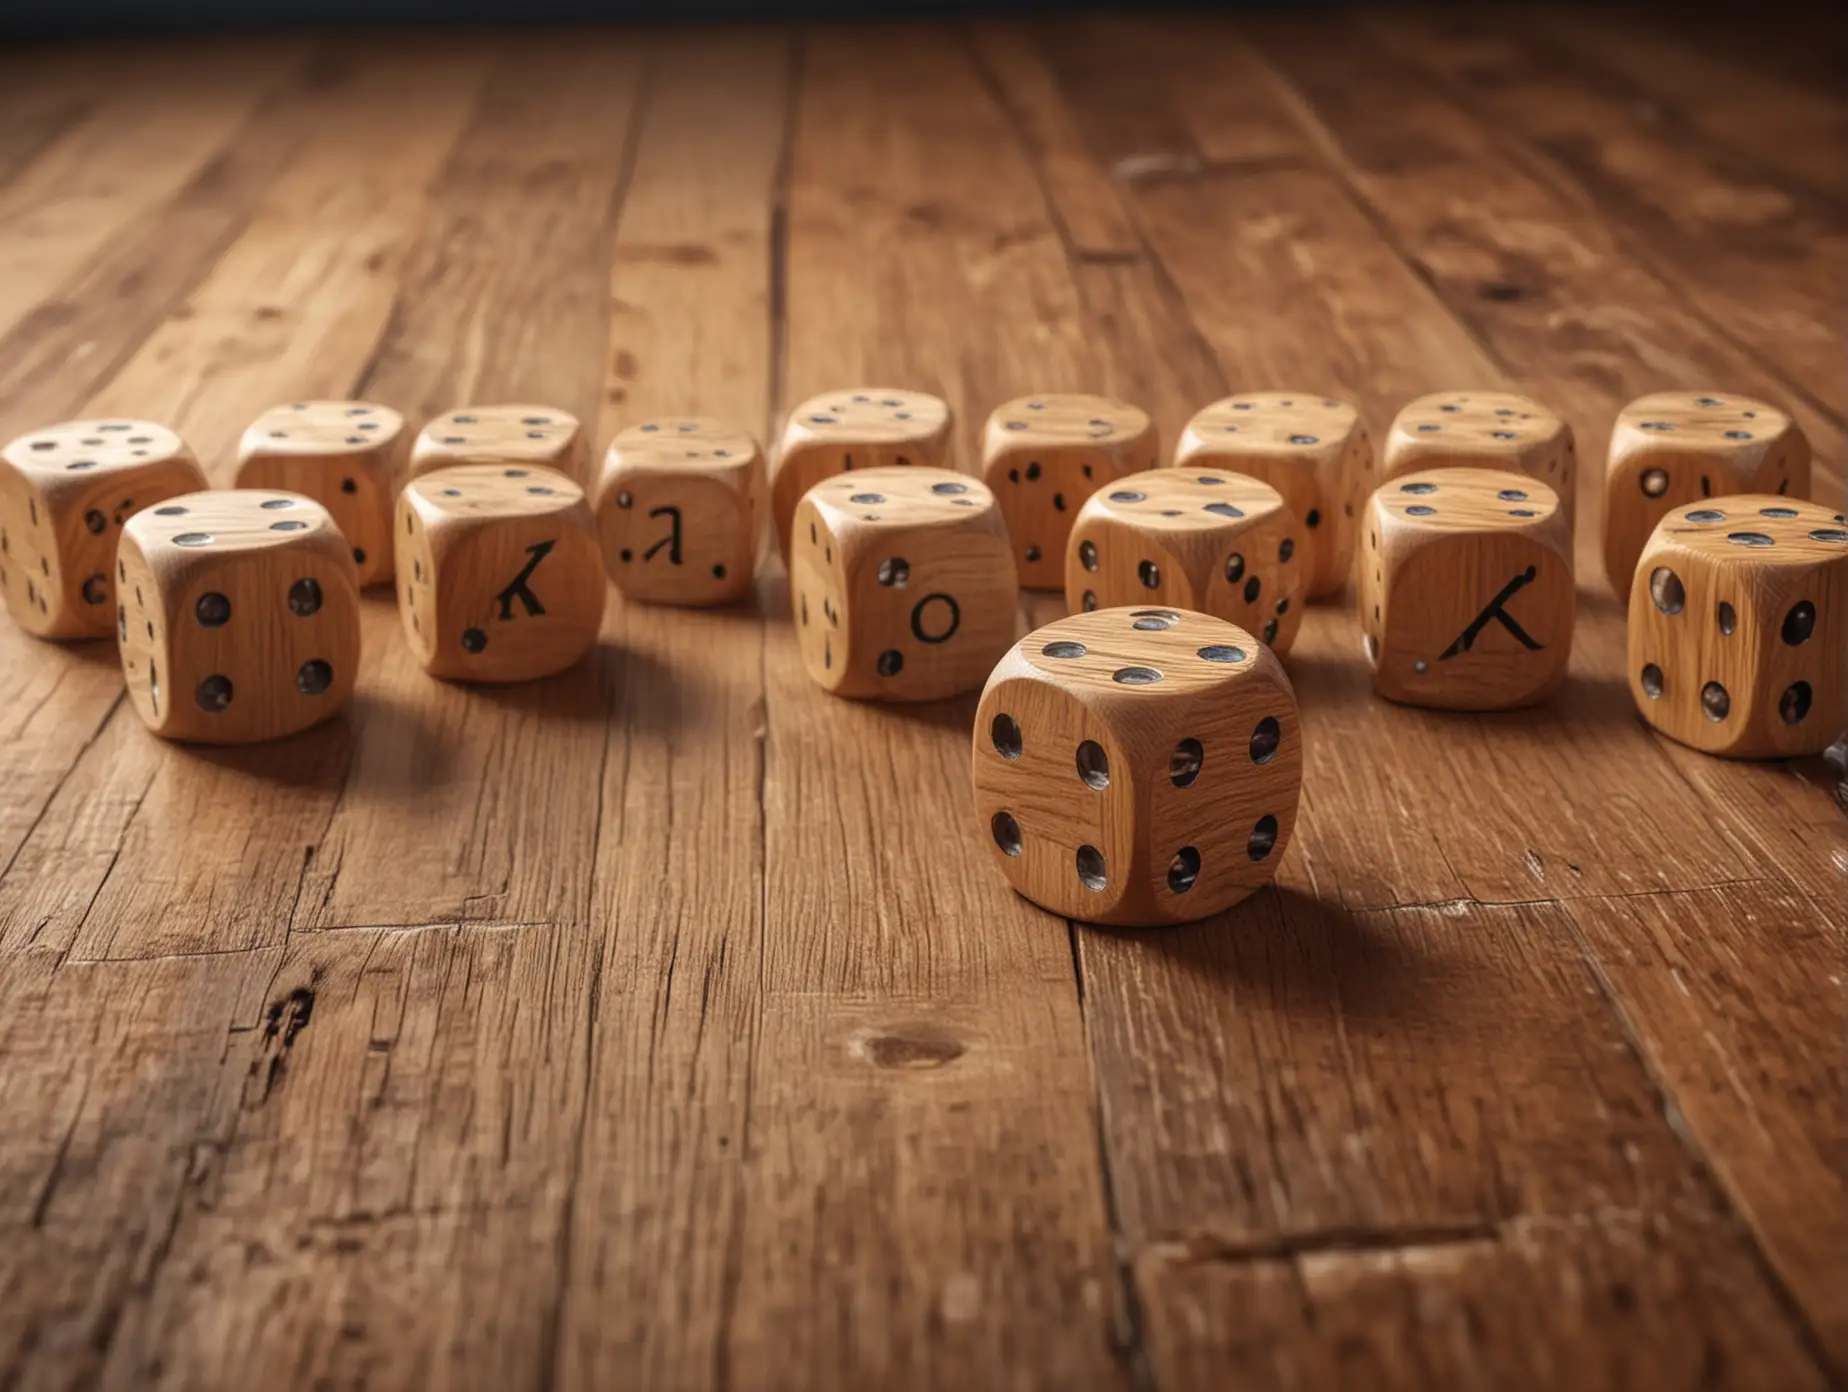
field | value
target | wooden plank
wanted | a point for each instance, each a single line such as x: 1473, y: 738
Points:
x: 1754, y: 253
x: 919, y: 1053
x: 677, y: 897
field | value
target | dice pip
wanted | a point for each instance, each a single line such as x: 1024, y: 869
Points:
x: 1739, y: 627
x: 901, y: 584
x: 1311, y: 449
x: 1466, y: 590
x: 1203, y: 539
x: 346, y: 455
x: 237, y: 615
x: 1045, y: 455
x: 1137, y: 766
x: 854, y: 428
x: 65, y: 493
x: 1676, y: 449
x: 536, y: 436
x: 678, y: 509
x: 1485, y: 430
x: 500, y: 577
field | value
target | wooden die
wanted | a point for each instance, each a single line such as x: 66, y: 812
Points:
x: 237, y: 615
x: 1466, y: 590
x: 541, y: 436
x: 346, y: 455
x: 1203, y: 539
x: 1311, y: 449
x: 1739, y: 627
x: 854, y: 428
x: 1045, y: 455
x: 500, y: 577
x: 901, y: 583
x: 1485, y: 430
x: 678, y: 509
x: 1137, y: 766
x: 1675, y: 449
x: 65, y: 493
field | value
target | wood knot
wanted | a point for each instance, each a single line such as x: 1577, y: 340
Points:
x: 910, y: 1046
x: 1501, y: 291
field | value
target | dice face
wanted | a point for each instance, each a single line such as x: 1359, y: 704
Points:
x: 237, y: 616
x: 346, y: 455
x: 1203, y: 539
x: 1313, y: 450
x: 1739, y: 627
x: 1466, y: 590
x: 65, y: 494
x: 1137, y: 766
x: 1677, y: 449
x: 500, y: 578
x: 1045, y: 455
x: 511, y: 434
x: 1485, y: 430
x: 844, y: 431
x: 902, y: 584
x: 678, y: 509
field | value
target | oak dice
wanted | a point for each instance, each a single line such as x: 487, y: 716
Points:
x: 1203, y: 539
x: 902, y: 584
x: 541, y: 436
x: 1739, y: 627
x: 65, y: 493
x: 1485, y: 430
x: 1137, y: 766
x: 1674, y: 449
x: 346, y: 455
x: 1312, y: 450
x: 854, y: 428
x: 237, y: 615
x: 1044, y: 455
x: 500, y: 577
x: 1466, y: 590
x: 678, y: 509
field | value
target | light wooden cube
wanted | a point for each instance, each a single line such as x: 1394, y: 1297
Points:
x: 237, y: 615
x: 1203, y: 539
x: 1138, y: 766
x: 346, y: 455
x: 65, y: 494
x: 1045, y: 455
x: 1739, y: 627
x: 1485, y: 430
x: 536, y: 436
x: 500, y: 577
x: 678, y: 509
x: 901, y: 584
x: 1313, y: 450
x: 1676, y: 449
x: 1467, y: 599
x: 854, y: 428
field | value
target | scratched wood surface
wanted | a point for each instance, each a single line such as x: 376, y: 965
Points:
x: 661, y: 1025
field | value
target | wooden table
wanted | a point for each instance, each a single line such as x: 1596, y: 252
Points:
x: 661, y: 1024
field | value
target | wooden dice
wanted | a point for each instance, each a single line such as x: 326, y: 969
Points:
x: 1203, y: 539
x: 901, y: 583
x: 1485, y: 430
x: 1312, y: 450
x: 500, y: 577
x: 346, y: 455
x: 1739, y: 627
x: 678, y: 508
x: 541, y: 436
x: 65, y: 493
x: 1044, y: 455
x: 1137, y: 766
x: 1675, y: 449
x: 855, y: 428
x: 237, y: 615
x: 1466, y: 590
